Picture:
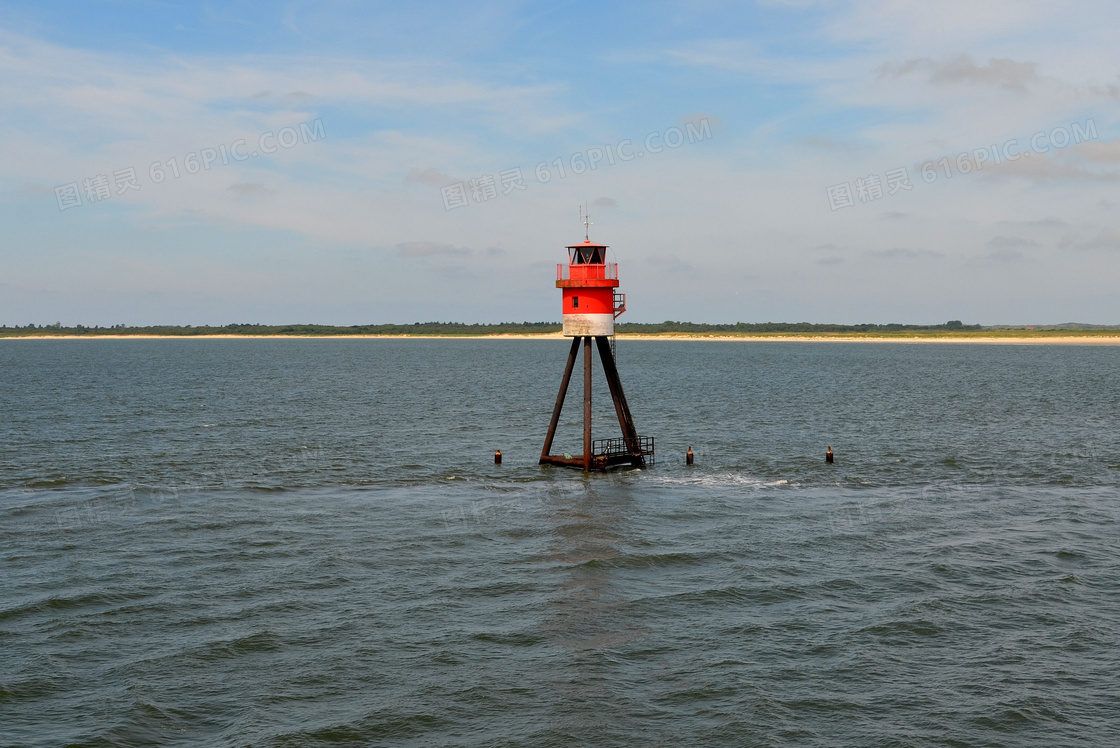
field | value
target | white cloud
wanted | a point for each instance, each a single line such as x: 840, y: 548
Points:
x: 1100, y: 151
x: 903, y: 253
x: 1009, y: 242
x: 1039, y: 168
x: 1004, y: 255
x: 1108, y: 239
x: 1009, y: 74
x: 431, y: 177
x: 431, y: 249
x: 247, y: 188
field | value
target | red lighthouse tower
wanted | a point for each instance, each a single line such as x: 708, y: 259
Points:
x: 590, y: 306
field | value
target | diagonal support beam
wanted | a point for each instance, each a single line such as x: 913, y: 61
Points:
x: 560, y: 400
x: 621, y: 409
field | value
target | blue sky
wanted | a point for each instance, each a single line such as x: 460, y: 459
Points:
x: 777, y: 203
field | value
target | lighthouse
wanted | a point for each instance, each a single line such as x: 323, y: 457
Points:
x: 587, y: 284
x: 590, y: 304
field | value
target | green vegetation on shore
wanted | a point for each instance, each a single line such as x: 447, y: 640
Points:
x: 953, y: 329
x: 419, y: 328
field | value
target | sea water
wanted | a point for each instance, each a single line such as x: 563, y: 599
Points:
x: 307, y: 542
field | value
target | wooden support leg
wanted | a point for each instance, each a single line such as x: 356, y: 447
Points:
x: 587, y: 404
x: 560, y: 400
x: 621, y: 409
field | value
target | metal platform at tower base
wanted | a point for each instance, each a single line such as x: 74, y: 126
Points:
x: 609, y: 453
x: 620, y: 451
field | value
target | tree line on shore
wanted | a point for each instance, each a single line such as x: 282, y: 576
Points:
x: 465, y: 329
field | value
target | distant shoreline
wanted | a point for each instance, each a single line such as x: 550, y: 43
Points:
x: 994, y: 337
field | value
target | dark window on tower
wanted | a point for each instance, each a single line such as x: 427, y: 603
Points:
x: 575, y: 302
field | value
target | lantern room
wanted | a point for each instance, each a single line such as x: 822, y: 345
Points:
x: 587, y: 254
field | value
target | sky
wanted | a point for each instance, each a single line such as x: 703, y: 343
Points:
x: 364, y: 162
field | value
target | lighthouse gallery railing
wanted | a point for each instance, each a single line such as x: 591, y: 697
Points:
x: 566, y: 271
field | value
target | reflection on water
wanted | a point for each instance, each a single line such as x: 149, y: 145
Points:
x: 589, y: 615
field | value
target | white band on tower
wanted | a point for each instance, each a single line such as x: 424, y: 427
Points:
x: 595, y: 325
